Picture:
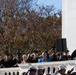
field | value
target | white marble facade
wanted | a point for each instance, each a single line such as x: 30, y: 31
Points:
x: 69, y: 23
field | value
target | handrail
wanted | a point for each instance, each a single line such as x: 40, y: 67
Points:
x: 49, y: 63
x: 10, y: 69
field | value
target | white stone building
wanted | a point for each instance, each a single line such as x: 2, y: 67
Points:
x: 69, y: 23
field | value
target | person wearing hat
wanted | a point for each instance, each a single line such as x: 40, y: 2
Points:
x: 32, y: 70
x: 61, y: 71
x: 40, y: 70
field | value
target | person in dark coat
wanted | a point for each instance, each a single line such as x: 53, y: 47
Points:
x: 7, y: 61
x: 73, y: 55
x: 33, y: 57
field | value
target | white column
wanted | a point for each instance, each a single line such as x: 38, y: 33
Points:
x: 64, y: 18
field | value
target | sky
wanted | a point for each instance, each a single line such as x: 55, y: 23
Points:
x: 57, y: 3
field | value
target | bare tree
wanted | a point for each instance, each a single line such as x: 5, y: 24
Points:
x: 26, y: 27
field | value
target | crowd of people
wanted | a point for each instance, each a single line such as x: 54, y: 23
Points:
x: 13, y: 61
x: 34, y: 57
